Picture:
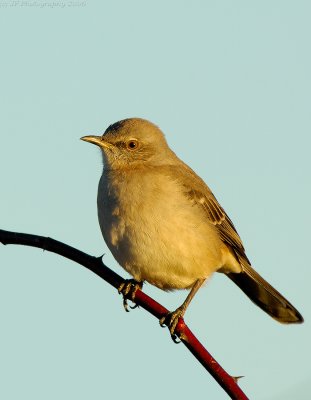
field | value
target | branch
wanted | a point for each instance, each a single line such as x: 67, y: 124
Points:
x: 95, y: 264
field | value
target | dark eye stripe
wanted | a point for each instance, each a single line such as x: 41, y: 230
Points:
x: 130, y: 144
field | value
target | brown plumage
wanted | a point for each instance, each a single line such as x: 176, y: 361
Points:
x: 163, y: 224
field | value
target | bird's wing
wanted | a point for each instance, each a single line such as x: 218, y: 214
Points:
x: 218, y: 217
x: 200, y: 194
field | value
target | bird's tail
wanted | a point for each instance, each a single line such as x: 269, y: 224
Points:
x: 265, y: 296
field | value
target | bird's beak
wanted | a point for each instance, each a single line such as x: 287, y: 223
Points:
x: 98, y: 140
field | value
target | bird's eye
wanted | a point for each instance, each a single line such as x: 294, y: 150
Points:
x: 132, y: 144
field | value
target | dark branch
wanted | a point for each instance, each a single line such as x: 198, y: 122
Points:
x: 95, y: 264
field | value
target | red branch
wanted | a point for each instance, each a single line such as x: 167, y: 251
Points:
x: 95, y: 264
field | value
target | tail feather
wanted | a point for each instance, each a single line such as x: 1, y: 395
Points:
x: 265, y: 296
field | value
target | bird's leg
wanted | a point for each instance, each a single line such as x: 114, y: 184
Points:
x: 171, y: 319
x: 128, y: 290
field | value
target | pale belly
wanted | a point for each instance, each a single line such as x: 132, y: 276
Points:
x: 166, y: 243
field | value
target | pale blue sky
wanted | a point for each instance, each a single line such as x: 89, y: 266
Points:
x: 229, y: 83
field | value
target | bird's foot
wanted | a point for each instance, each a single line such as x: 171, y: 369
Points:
x: 171, y: 320
x: 128, y: 290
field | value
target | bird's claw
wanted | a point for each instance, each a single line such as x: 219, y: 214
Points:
x: 128, y: 289
x: 170, y: 320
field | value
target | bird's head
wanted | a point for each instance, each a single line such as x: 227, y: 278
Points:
x: 132, y: 142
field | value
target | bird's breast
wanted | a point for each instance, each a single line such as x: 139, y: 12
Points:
x: 153, y: 230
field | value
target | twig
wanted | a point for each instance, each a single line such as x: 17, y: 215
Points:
x: 95, y: 264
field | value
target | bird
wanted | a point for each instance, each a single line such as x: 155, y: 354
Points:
x: 164, y: 226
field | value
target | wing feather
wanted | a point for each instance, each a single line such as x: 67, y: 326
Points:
x: 200, y: 195
x: 218, y: 217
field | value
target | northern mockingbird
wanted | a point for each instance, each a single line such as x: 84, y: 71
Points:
x: 163, y: 224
